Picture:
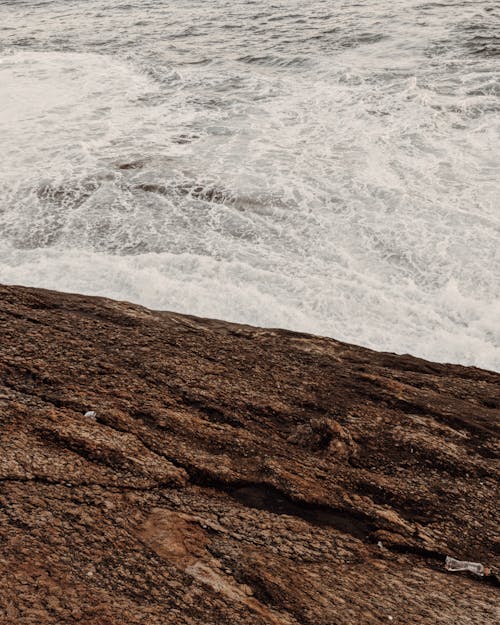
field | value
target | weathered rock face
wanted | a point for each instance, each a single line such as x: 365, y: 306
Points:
x: 234, y: 475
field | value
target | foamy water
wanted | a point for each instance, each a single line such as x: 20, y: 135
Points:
x: 331, y: 169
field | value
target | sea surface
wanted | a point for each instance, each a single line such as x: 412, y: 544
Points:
x: 325, y: 166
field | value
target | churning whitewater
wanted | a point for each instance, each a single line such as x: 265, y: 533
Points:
x: 330, y: 167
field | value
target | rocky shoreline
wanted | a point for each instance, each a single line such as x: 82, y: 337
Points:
x: 233, y: 474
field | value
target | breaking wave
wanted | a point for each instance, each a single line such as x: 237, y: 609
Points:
x: 331, y: 170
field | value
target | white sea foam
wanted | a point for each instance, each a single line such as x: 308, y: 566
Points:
x: 348, y: 189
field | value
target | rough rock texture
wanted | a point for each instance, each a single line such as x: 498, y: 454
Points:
x: 234, y: 475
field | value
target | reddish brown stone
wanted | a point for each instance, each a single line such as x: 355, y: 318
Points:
x: 235, y: 475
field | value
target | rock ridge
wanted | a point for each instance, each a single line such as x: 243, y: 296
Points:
x: 234, y: 474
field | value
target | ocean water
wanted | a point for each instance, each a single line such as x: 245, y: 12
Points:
x: 330, y: 167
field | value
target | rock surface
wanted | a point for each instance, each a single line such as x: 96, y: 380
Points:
x: 235, y: 475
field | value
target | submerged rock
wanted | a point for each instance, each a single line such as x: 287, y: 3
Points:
x: 235, y: 474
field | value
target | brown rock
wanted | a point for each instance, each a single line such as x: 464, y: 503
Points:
x: 234, y: 474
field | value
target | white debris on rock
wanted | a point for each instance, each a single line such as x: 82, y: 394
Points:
x: 477, y: 568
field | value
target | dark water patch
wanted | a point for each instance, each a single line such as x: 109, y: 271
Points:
x: 480, y: 36
x: 75, y: 195
x: 190, y: 31
x: 353, y: 41
x: 132, y: 165
x: 429, y: 6
x: 24, y: 42
x: 289, y: 16
x: 199, y: 192
x: 484, y: 45
x: 202, y: 61
x: 275, y: 61
x: 184, y: 138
